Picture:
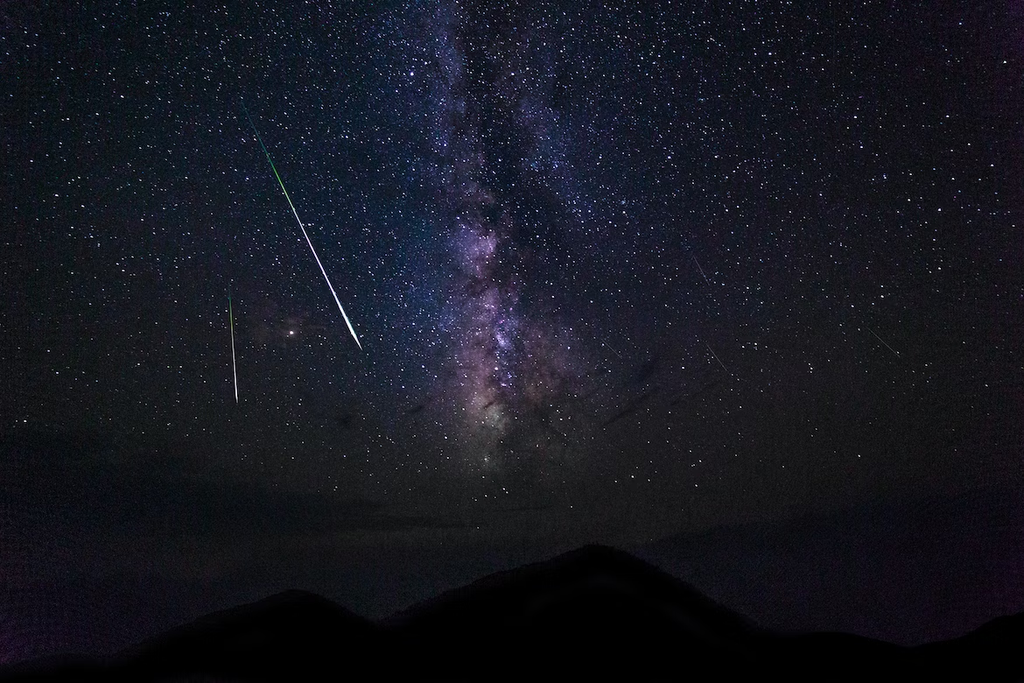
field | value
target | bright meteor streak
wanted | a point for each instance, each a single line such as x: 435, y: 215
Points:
x: 302, y: 227
x: 234, y: 367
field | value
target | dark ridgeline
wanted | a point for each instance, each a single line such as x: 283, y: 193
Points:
x: 594, y: 613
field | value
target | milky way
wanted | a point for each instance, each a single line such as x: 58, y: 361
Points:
x: 513, y: 364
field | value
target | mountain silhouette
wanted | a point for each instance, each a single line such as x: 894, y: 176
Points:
x: 591, y: 611
x: 595, y: 613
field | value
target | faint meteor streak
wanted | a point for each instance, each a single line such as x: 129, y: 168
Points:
x: 716, y: 357
x: 697, y: 263
x: 609, y: 347
x: 897, y: 353
x: 234, y: 367
x: 302, y: 227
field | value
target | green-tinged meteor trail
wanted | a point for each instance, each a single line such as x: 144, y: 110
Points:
x: 302, y: 227
x: 234, y: 367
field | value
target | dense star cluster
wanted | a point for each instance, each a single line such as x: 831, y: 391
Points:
x: 618, y: 270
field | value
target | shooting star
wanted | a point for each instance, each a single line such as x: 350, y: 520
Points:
x: 302, y: 227
x: 716, y: 357
x: 897, y: 353
x: 234, y: 366
x: 609, y: 347
x: 697, y: 263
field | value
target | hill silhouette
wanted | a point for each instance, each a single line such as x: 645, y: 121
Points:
x: 593, y: 613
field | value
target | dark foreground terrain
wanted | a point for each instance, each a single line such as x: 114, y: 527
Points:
x: 595, y: 613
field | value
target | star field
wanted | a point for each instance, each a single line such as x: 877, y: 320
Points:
x: 617, y: 271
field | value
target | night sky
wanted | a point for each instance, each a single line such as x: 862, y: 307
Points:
x: 618, y: 273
